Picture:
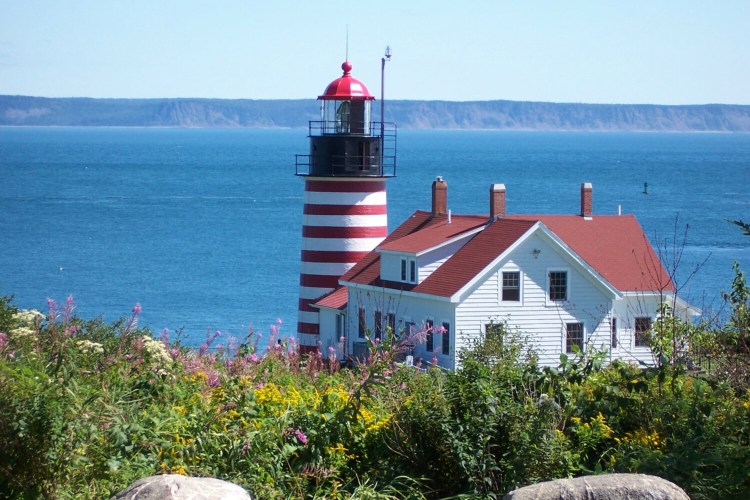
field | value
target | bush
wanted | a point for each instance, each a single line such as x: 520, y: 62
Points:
x: 86, y: 408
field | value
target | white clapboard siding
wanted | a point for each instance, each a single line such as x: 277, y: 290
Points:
x: 540, y: 323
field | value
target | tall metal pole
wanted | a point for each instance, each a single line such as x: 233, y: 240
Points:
x: 386, y: 57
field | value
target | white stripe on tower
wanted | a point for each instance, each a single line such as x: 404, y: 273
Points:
x: 342, y: 221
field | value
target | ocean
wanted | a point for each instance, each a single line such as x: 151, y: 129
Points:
x: 201, y: 227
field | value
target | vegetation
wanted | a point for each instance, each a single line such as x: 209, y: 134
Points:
x: 86, y: 408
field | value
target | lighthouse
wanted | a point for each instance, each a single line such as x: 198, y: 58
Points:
x: 345, y: 213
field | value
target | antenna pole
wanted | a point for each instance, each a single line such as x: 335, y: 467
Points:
x: 386, y: 57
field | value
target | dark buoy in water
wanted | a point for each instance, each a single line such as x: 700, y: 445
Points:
x: 645, y: 188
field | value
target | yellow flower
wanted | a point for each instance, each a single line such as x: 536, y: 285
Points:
x: 269, y: 393
x: 379, y: 424
x: 600, y: 424
x: 339, y: 448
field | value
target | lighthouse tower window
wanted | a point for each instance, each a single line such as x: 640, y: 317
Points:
x: 342, y: 118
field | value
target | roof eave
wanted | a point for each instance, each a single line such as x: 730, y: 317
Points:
x: 403, y: 293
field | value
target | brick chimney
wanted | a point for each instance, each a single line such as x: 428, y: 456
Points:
x: 586, y: 200
x: 439, y: 197
x: 497, y: 201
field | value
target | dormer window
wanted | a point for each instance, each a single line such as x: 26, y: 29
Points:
x: 408, y: 269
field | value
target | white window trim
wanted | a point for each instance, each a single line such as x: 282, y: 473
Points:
x: 511, y: 303
x: 432, y: 319
x: 450, y: 332
x: 584, y: 339
x: 408, y: 261
x: 406, y: 321
x: 547, y: 299
x: 363, y: 337
x: 375, y: 326
x: 635, y: 322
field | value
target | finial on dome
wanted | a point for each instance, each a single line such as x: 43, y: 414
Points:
x: 347, y: 67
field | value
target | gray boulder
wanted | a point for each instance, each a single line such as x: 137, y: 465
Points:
x: 174, y: 486
x: 602, y: 487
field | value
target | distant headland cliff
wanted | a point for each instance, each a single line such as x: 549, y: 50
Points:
x: 490, y: 115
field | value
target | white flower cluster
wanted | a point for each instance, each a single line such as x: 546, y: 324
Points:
x: 90, y: 347
x: 156, y: 352
x: 27, y: 319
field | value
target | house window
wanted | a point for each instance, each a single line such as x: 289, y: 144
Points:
x: 362, y: 323
x: 558, y: 286
x: 407, y: 327
x: 392, y: 323
x: 378, y: 325
x: 614, y: 332
x: 446, y: 347
x: 642, y: 327
x: 340, y: 326
x: 408, y: 270
x: 573, y: 336
x: 511, y: 286
x: 428, y: 324
x: 494, y: 331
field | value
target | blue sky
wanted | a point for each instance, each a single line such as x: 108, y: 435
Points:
x: 599, y: 51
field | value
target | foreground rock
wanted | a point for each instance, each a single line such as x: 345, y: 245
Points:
x: 603, y: 487
x: 173, y: 486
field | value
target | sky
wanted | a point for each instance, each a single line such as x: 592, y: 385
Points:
x: 594, y: 51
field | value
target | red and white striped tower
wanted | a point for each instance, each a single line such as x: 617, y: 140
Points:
x: 345, y: 208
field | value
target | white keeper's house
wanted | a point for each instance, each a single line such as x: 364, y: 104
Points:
x: 581, y: 279
x: 560, y: 280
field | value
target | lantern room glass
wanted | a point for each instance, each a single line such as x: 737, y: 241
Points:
x: 346, y: 116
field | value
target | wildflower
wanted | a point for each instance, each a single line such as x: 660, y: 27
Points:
x: 137, y: 309
x: 69, y: 307
x: 89, y: 347
x: 156, y: 352
x: 300, y: 436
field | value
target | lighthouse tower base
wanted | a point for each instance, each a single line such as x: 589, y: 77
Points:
x: 343, y: 220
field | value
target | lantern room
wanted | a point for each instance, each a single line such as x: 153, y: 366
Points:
x: 345, y: 142
x: 346, y: 105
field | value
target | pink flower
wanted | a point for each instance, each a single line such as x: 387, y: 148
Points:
x: 278, y: 321
x: 300, y: 436
x: 137, y: 309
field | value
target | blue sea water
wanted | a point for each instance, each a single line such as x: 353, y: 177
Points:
x: 202, y: 226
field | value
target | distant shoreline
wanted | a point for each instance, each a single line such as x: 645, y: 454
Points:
x: 408, y: 115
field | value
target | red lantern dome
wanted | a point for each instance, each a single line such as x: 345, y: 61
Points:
x: 346, y: 88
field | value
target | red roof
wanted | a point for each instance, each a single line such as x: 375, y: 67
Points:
x: 612, y: 245
x: 438, y: 232
x: 335, y: 300
x: 473, y: 257
x: 346, y: 88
